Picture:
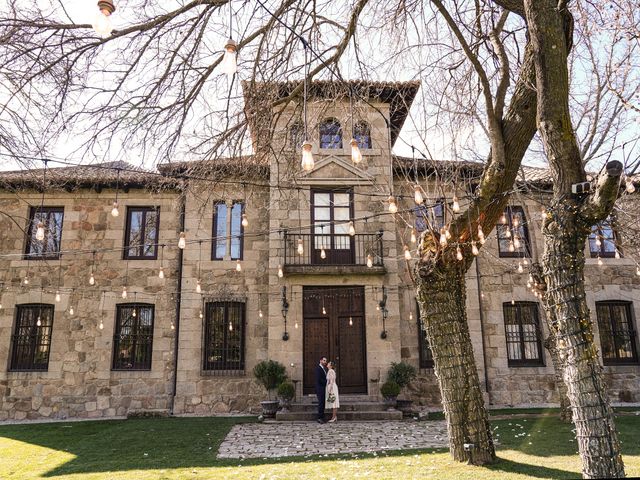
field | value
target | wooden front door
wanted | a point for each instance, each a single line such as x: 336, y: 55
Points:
x: 338, y: 334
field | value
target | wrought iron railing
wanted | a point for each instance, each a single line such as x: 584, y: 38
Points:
x: 331, y: 250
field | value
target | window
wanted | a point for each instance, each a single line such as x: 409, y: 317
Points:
x: 603, y: 240
x: 224, y: 336
x: 141, y: 235
x: 227, y: 217
x: 32, y: 337
x: 330, y: 134
x: 51, y: 219
x: 617, y: 336
x: 296, y: 135
x: 429, y: 216
x: 426, y: 357
x: 513, y: 234
x: 362, y: 133
x: 133, y: 338
x: 330, y: 215
x: 522, y: 330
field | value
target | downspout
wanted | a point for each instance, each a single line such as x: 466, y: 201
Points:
x: 183, y: 204
x: 484, y: 350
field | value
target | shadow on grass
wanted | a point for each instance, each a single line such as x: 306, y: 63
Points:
x: 174, y: 443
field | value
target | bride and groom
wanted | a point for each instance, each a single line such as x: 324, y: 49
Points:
x: 327, y: 390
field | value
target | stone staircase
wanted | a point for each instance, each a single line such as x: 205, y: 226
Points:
x: 351, y: 409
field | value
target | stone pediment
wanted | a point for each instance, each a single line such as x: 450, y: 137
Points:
x: 332, y: 169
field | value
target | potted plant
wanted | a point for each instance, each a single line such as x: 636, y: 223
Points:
x: 390, y: 391
x: 402, y: 374
x: 269, y: 374
x: 286, y: 393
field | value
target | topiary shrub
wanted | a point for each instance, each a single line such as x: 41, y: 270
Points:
x: 402, y: 374
x: 390, y: 389
x: 286, y: 391
x: 270, y: 374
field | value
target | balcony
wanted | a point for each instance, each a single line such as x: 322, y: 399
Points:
x: 343, y: 254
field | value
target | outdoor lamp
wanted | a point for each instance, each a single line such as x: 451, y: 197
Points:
x: 417, y: 195
x: 307, y: 156
x: 102, y: 21
x: 356, y: 154
x: 229, y: 61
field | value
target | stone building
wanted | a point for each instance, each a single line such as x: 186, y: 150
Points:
x: 90, y: 327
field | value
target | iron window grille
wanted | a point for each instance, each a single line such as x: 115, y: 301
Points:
x: 426, y: 355
x: 31, y: 343
x: 617, y: 335
x: 221, y: 237
x: 133, y: 337
x: 141, y: 233
x: 523, y: 334
x: 603, y: 240
x: 514, y: 228
x: 330, y: 134
x: 224, y: 337
x: 49, y: 248
x: 430, y: 216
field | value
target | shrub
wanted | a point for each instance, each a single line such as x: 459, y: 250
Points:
x: 286, y: 391
x: 390, y: 389
x: 270, y: 374
x: 402, y: 374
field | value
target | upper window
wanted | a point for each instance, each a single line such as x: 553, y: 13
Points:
x: 430, y: 216
x: 513, y: 234
x: 49, y: 220
x: 133, y: 337
x: 227, y: 218
x: 617, y: 335
x: 362, y: 133
x: 32, y: 337
x: 426, y: 357
x: 330, y: 134
x: 603, y: 240
x: 331, y: 213
x: 142, y: 233
x: 522, y: 330
x: 224, y: 336
x: 296, y: 135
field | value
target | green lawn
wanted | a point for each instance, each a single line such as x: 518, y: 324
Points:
x: 185, y: 448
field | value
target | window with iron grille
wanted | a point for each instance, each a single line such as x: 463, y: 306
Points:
x: 141, y: 234
x: 31, y: 341
x: 51, y: 219
x: 227, y: 217
x: 224, y: 336
x: 330, y: 134
x: 430, y: 216
x: 603, y: 240
x: 426, y: 356
x: 617, y: 335
x: 523, y: 334
x: 133, y: 337
x: 362, y: 134
x: 513, y: 233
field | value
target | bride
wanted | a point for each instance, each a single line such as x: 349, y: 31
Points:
x: 332, y: 396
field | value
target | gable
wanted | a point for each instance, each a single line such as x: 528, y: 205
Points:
x: 331, y: 169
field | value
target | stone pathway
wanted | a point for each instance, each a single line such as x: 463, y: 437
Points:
x: 273, y: 440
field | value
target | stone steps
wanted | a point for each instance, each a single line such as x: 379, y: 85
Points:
x: 344, y: 407
x: 308, y: 416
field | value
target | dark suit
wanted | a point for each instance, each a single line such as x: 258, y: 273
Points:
x: 321, y: 386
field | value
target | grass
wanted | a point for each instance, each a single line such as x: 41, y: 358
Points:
x: 185, y: 448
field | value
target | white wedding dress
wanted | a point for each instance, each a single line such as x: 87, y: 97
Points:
x: 332, y: 387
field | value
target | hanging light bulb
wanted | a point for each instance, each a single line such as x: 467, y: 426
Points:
x: 447, y: 233
x: 161, y: 273
x: 417, y: 195
x: 173, y: 327
x: 182, y: 241
x: 526, y: 262
x: 198, y: 286
x: 413, y: 235
x: 280, y: 272
x: 238, y: 266
x: 507, y: 233
x: 230, y: 327
x: 124, y: 292
x: 260, y: 315
x: 617, y: 254
x: 230, y: 61
x: 474, y: 249
x: 71, y: 310
x: 92, y: 279
x: 307, y: 157
x: 133, y: 314
x: 520, y: 268
x: 323, y: 254
x: 410, y: 315
x: 512, y: 247
x: 101, y: 326
x: 200, y: 314
x: 456, y: 206
x: 481, y: 236
x: 369, y: 261
x: 39, y: 322
x: 599, y: 261
x: 407, y: 253
x: 513, y: 302
x: 102, y: 21
x: 543, y: 213
x: 638, y: 271
x: 300, y: 247
x: 503, y: 219
x: 324, y: 310
x: 114, y: 211
x: 245, y: 222
x: 351, y: 321
x: 459, y: 256
x: 26, y: 280
x: 516, y: 242
x: 443, y: 237
x: 393, y: 207
x: 58, y: 298
x: 528, y: 284
x: 598, y: 241
x: 356, y: 154
x: 352, y: 229
x: 515, y: 222
x: 630, y: 187
x: 40, y: 232
x: 295, y: 325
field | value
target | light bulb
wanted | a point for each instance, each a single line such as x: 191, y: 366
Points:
x: 598, y: 241
x: 200, y: 314
x: 238, y: 266
x: 599, y: 261
x: 92, y: 280
x: 520, y: 269
x: 617, y: 254
x: 71, y: 310
x: 245, y: 222
x: 40, y: 232
x: 351, y: 321
x: 161, y: 273
x: 410, y: 315
x: 459, y: 254
x: 198, y: 287
x: 516, y: 242
x: 417, y: 195
x: 300, y: 247
x: 102, y: 23
x: 638, y: 271
x: 393, y: 207
x: 324, y: 311
x: 356, y: 154
x: 182, y: 241
x: 508, y: 233
x: 407, y: 253
x: 413, y: 235
x: 528, y: 284
x: 173, y: 327
x: 369, y: 261
x: 133, y: 314
x: 295, y: 325
x: 307, y: 157
x: 260, y: 315
x: 26, y: 280
x: 474, y: 249
x: 543, y: 213
x: 481, y: 236
x: 323, y: 254
x: 630, y: 187
x: 58, y: 297
x: 378, y: 307
x: 101, y: 326
x: 443, y: 237
x: 513, y: 302
x: 352, y: 229
x: 280, y: 272
x: 503, y: 219
x: 39, y: 322
x: 512, y: 247
x: 229, y: 61
x: 447, y: 233
x: 124, y: 292
x: 515, y: 221
x: 456, y: 206
x: 525, y: 261
x: 114, y: 211
x: 230, y: 327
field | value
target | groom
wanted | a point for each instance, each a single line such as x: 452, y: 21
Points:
x: 321, y: 385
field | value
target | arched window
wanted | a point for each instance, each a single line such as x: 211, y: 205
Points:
x: 330, y: 134
x: 296, y: 135
x: 362, y: 134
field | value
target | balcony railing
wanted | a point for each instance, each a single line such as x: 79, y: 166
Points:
x: 338, y: 249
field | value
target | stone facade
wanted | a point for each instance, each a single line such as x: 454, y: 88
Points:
x: 80, y: 382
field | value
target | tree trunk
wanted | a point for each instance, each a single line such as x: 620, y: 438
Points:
x: 563, y: 266
x: 561, y: 388
x: 441, y: 295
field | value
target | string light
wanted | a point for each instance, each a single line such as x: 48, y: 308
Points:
x: 456, y: 206
x: 474, y: 249
x: 230, y: 326
x: 508, y: 233
x: 124, y: 292
x: 101, y: 326
x: 200, y: 314
x: 481, y: 236
x: 198, y: 286
x: 443, y: 237
x: 71, y: 310
x: 410, y: 315
x: 516, y: 242
x: 245, y: 222
x: 407, y: 253
x: 352, y: 229
x: 58, y: 298
x: 356, y: 154
x: 238, y: 266
x: 638, y: 271
x: 40, y: 231
x: 512, y: 247
x: 503, y: 219
x: 599, y: 261
x: 525, y: 261
x: 351, y: 321
x: 630, y: 187
x: 617, y: 254
x: 369, y: 261
x: 323, y: 254
x: 393, y: 207
x: 520, y: 268
x: 102, y: 21
x: 280, y: 272
x: 114, y: 211
x: 459, y: 256
x: 260, y: 314
x: 417, y: 195
x: 447, y: 233
x: 307, y: 156
x: 295, y: 325
x: 413, y: 235
x: 26, y: 280
x: 173, y: 327
x: 161, y: 273
x: 229, y: 61
x: 300, y: 246
x: 39, y: 322
x: 182, y: 241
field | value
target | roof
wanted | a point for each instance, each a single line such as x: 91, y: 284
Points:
x: 399, y: 96
x: 219, y: 167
